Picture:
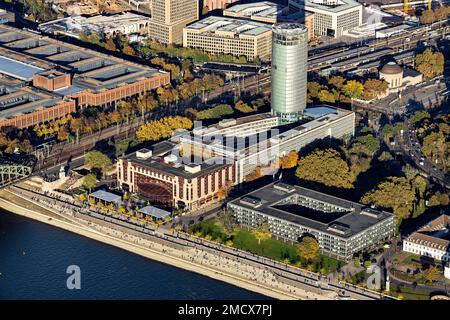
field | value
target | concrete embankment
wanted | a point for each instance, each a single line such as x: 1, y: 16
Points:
x: 20, y: 206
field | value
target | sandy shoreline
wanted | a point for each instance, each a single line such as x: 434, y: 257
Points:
x: 147, y: 252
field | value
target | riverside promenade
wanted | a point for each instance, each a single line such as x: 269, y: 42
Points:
x: 230, y: 265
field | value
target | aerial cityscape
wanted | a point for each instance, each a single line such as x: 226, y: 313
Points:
x: 225, y: 150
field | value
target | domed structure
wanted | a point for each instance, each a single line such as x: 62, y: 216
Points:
x: 391, y: 68
x: 392, y: 73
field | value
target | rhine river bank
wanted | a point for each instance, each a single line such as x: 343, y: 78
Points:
x: 240, y: 275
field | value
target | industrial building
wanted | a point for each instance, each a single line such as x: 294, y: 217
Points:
x: 225, y: 35
x: 271, y: 12
x: 289, y: 71
x: 331, y: 17
x: 169, y: 17
x: 342, y: 228
x: 125, y: 23
x: 66, y: 77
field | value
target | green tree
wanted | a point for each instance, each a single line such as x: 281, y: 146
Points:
x: 308, y: 248
x: 89, y: 181
x: 395, y: 193
x: 96, y: 160
x: 418, y: 116
x: 326, y: 167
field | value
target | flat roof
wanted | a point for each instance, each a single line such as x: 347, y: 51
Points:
x: 348, y: 218
x: 332, y: 6
x: 215, y: 25
x: 32, y: 53
x: 18, y: 69
x: 154, y: 212
x: 106, y: 196
x: 317, y: 112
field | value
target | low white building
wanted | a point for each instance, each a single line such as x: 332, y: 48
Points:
x: 447, y: 271
x: 124, y: 23
x: 432, y: 240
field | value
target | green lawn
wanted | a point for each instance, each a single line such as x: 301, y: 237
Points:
x: 409, y: 294
x: 270, y: 248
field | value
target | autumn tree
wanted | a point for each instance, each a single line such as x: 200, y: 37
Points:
x: 427, y: 17
x: 163, y: 128
x: 289, y: 161
x: 313, y: 89
x: 256, y: 174
x: 429, y: 63
x: 326, y: 167
x: 326, y: 96
x: 262, y: 232
x: 431, y: 274
x: 110, y: 45
x: 337, y: 82
x: 396, y: 193
x: 353, y: 89
x: 374, y: 88
x: 308, y: 248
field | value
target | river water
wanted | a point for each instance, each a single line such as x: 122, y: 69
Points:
x: 34, y: 258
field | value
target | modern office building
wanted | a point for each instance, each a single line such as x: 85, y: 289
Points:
x: 60, y: 76
x: 342, y: 228
x: 124, y: 23
x: 256, y: 141
x: 159, y: 175
x: 169, y: 17
x: 224, y: 35
x: 432, y: 240
x: 271, y: 12
x: 331, y: 17
x: 289, y: 71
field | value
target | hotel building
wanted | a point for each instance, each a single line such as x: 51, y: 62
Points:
x: 342, y: 228
x: 224, y: 35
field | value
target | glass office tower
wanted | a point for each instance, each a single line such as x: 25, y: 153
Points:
x: 289, y: 71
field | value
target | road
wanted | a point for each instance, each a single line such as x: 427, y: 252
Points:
x: 412, y: 153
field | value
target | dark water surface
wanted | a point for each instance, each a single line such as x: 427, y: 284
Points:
x: 34, y: 257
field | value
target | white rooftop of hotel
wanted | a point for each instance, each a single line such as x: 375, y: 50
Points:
x: 225, y: 25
